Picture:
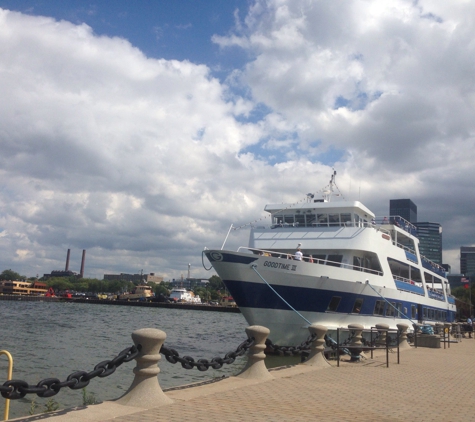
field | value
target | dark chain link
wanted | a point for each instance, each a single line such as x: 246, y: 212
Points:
x: 302, y: 348
x: 187, y: 362
x: 16, y: 389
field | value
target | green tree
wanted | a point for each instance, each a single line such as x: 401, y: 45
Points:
x: 161, y: 289
x: 215, y: 283
x: 59, y: 283
x: 11, y: 275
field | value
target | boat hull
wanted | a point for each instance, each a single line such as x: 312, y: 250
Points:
x: 287, y: 296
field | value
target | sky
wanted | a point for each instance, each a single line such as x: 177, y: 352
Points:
x: 140, y: 131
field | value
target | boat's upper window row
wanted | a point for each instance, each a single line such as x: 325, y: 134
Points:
x: 317, y: 220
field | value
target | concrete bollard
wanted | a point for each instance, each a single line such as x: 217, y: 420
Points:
x: 403, y: 344
x: 356, y: 341
x: 255, y: 367
x: 383, y: 333
x: 316, y: 357
x: 145, y: 390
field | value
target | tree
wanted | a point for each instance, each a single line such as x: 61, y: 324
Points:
x: 11, y: 275
x: 215, y: 283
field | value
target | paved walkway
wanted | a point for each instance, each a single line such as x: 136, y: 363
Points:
x: 427, y: 385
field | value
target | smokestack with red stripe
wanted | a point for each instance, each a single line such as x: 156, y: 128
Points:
x: 81, y: 274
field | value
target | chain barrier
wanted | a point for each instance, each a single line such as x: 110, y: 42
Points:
x: 16, y: 389
x: 302, y: 348
x: 187, y: 362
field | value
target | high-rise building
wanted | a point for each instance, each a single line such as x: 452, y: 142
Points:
x: 405, y: 208
x: 430, y: 241
x: 467, y: 260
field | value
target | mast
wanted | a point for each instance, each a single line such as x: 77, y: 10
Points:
x: 327, y: 193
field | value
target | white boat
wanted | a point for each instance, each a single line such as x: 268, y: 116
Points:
x: 183, y: 295
x: 356, y: 268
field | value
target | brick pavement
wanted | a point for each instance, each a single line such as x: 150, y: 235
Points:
x: 428, y: 385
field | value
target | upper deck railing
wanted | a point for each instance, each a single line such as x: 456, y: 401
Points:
x: 309, y: 259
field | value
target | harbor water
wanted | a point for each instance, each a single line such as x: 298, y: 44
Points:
x: 54, y: 339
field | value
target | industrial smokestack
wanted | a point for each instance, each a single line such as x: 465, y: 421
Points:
x: 67, y: 260
x: 81, y: 274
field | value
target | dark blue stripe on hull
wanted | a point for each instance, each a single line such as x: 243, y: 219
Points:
x: 259, y: 295
x: 230, y: 257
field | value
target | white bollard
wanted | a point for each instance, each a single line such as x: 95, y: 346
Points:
x: 255, y: 367
x: 316, y: 357
x: 145, y: 390
x: 403, y: 344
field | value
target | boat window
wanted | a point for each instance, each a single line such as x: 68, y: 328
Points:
x: 357, y: 263
x: 413, y: 312
x: 399, y: 308
x: 424, y: 313
x: 391, y: 311
x: 320, y: 258
x: 279, y: 220
x: 333, y: 305
x: 289, y: 219
x: 379, y: 307
x: 357, y: 306
x: 345, y: 218
x: 334, y: 219
x: 322, y: 219
x: 300, y: 219
x: 311, y: 219
x: 334, y: 260
x: 431, y: 314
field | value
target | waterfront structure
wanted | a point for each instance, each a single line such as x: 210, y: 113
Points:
x: 404, y: 208
x: 430, y: 240
x: 67, y: 272
x: 137, y: 278
x: 467, y: 260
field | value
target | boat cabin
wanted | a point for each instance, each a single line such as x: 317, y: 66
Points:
x: 320, y: 214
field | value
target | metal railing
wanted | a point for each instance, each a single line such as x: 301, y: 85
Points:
x: 309, y: 259
x: 9, y: 377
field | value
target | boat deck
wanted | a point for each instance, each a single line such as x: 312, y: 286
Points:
x: 427, y: 385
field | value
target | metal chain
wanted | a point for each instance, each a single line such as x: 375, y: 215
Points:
x: 187, y: 362
x: 16, y: 389
x: 304, y: 347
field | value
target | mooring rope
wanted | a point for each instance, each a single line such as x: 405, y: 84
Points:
x: 287, y: 303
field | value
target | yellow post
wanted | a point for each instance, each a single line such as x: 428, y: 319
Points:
x: 9, y: 377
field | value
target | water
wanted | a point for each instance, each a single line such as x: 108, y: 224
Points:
x: 54, y: 339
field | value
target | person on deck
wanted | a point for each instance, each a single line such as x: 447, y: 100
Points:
x: 298, y: 255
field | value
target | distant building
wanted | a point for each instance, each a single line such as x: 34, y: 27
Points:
x: 137, y: 278
x: 467, y: 260
x: 455, y: 280
x: 405, y: 208
x: 188, y: 283
x: 60, y: 273
x: 430, y: 240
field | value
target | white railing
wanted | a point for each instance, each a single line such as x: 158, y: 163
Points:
x: 307, y: 258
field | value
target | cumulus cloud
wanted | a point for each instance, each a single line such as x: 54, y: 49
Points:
x: 144, y: 161
x: 390, y: 84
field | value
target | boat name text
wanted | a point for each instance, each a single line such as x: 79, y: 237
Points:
x: 280, y: 266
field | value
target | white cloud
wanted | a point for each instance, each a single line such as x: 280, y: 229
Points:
x: 144, y: 161
x: 389, y: 83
